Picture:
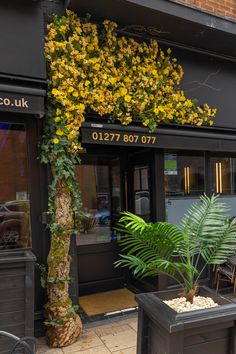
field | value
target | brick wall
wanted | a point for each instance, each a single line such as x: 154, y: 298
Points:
x: 222, y: 8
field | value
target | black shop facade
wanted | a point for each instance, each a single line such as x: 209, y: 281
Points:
x: 154, y: 175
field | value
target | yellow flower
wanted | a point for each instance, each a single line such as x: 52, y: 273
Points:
x: 146, y: 122
x: 81, y: 107
x: 58, y: 111
x: 87, y: 82
x: 156, y: 110
x: 55, y: 92
x: 72, y: 135
x: 123, y: 91
x: 127, y: 98
x: 70, y: 89
x: 78, y: 29
x: 63, y: 28
x: 127, y: 79
x: 75, y: 94
x: 188, y: 103
x: 94, y: 60
x: 59, y: 132
x: 56, y: 141
x: 97, y: 67
x: 57, y: 119
x: 112, y: 80
x: 161, y: 108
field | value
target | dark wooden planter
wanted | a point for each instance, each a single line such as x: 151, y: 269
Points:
x: 16, y: 295
x: 161, y: 330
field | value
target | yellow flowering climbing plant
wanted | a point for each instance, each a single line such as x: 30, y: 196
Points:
x: 94, y: 69
x: 97, y: 70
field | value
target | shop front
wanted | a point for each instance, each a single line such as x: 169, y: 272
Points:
x: 155, y: 175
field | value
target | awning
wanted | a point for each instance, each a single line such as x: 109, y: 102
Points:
x: 22, y: 99
x: 168, y: 137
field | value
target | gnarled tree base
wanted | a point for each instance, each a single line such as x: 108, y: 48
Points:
x: 66, y: 334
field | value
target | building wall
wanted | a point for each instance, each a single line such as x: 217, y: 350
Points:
x: 222, y: 8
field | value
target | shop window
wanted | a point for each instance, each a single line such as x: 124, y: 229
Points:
x: 15, y: 230
x: 184, y: 175
x: 99, y: 183
x: 223, y: 179
x: 223, y: 175
x: 184, y: 182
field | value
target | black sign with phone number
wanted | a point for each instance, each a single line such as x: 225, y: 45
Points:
x: 117, y: 137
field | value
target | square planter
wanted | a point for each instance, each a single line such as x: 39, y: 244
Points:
x: 161, y: 330
x: 16, y: 295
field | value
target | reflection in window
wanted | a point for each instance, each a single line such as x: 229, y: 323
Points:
x: 141, y: 192
x: 223, y: 175
x: 15, y: 229
x: 99, y: 182
x: 184, y: 175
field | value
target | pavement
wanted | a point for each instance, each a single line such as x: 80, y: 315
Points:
x: 117, y: 335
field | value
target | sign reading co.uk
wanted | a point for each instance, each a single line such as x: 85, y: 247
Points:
x: 21, y: 103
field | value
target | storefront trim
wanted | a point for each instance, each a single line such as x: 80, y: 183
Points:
x: 178, y: 138
x: 20, y: 99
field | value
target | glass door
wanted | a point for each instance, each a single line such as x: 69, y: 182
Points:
x: 139, y: 184
x: 99, y: 180
x: 141, y: 195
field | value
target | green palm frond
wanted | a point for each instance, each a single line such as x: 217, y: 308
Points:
x: 204, y: 223
x: 223, y: 246
x: 163, y: 248
x: 163, y: 239
x: 131, y: 223
x: 142, y: 269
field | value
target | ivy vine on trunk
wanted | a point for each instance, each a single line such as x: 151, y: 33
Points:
x: 64, y: 324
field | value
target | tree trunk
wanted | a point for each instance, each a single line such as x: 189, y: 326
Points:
x: 64, y: 324
x: 189, y: 295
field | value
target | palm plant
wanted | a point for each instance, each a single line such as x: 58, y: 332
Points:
x: 206, y: 232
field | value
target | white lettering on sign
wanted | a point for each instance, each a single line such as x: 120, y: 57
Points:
x: 17, y: 102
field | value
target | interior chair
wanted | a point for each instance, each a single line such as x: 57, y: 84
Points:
x: 227, y: 273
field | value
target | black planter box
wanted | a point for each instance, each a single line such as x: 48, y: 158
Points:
x: 161, y: 330
x: 16, y: 295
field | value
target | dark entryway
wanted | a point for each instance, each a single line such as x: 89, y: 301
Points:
x: 110, y: 182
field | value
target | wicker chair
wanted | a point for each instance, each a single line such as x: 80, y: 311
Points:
x: 226, y: 272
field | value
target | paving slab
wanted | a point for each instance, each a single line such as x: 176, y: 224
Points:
x: 116, y: 336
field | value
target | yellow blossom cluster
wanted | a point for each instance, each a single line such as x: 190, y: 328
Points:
x: 116, y: 76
